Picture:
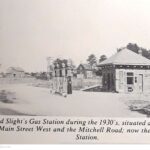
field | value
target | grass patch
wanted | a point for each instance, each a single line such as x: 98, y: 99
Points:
x: 7, y: 97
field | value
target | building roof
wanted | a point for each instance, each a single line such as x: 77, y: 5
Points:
x: 17, y: 69
x: 86, y: 66
x: 126, y: 57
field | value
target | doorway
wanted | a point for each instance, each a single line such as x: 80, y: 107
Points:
x: 130, y: 82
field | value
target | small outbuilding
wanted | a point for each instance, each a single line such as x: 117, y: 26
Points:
x: 126, y: 72
x: 85, y: 71
x: 15, y: 72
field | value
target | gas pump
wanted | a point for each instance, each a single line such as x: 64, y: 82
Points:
x: 69, y: 81
x: 61, y: 79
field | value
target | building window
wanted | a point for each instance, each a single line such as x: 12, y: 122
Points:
x: 130, y: 78
x: 129, y: 73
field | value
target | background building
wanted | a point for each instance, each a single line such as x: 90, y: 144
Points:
x: 85, y: 71
x: 15, y: 72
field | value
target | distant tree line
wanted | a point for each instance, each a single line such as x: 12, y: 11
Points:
x: 92, y: 60
x: 135, y: 48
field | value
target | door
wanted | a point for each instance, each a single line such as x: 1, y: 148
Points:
x: 130, y: 82
x: 140, y: 82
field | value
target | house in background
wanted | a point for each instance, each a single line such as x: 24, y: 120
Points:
x: 85, y: 71
x: 15, y: 72
x: 126, y: 72
x: 1, y: 75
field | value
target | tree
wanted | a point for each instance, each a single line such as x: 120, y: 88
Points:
x: 135, y: 48
x: 65, y: 61
x: 60, y: 61
x: 102, y: 58
x: 92, y: 59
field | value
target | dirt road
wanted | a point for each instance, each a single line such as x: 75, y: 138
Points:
x: 38, y: 101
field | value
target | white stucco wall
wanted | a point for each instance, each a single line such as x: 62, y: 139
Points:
x: 121, y: 80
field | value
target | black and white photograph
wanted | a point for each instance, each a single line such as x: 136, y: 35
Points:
x: 76, y: 58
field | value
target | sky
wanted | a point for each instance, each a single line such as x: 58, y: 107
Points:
x: 32, y: 30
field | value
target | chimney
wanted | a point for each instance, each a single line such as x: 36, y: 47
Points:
x: 140, y: 52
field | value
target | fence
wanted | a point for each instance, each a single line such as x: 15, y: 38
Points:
x: 82, y: 83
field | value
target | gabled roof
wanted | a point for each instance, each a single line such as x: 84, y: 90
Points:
x: 85, y: 66
x: 126, y: 57
x: 18, y: 69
